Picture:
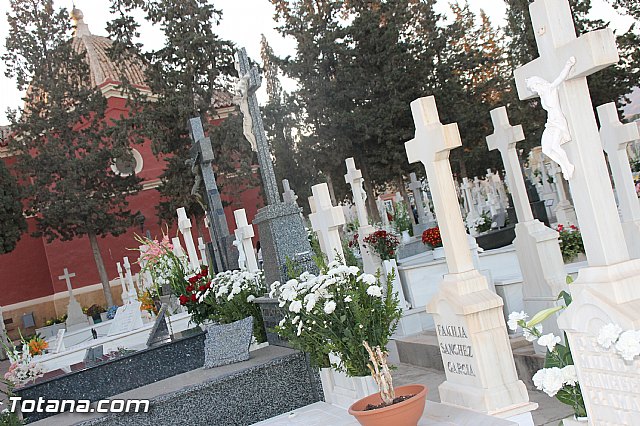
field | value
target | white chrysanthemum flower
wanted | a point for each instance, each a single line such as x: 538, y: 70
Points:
x: 311, y: 300
x: 367, y: 279
x: 375, y: 291
x: 282, y: 321
x: 549, y: 340
x: 628, y: 345
x: 514, y: 317
x: 329, y: 307
x: 530, y: 337
x: 360, y: 326
x: 250, y: 298
x: 553, y: 381
x: 353, y: 270
x: 348, y: 299
x: 300, y: 325
x: 333, y: 264
x: 295, y: 319
x: 608, y: 335
x: 295, y: 306
x: 569, y: 375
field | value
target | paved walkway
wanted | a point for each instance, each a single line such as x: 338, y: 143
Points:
x: 549, y: 413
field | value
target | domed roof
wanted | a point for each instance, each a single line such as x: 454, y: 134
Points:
x: 96, y: 50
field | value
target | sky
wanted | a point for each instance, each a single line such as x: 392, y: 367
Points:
x: 243, y: 22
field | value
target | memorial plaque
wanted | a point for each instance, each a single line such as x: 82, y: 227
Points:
x: 127, y: 319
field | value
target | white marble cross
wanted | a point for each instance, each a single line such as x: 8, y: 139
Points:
x: 355, y: 180
x: 177, y: 247
x: 592, y: 195
x: 244, y: 232
x: 67, y: 277
x: 326, y: 220
x: 125, y: 292
x: 202, y: 247
x: 432, y: 143
x: 289, y: 196
x: 615, y: 138
x: 184, y: 225
x: 504, y: 139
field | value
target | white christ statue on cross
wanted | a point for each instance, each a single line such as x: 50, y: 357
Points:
x: 556, y: 130
x: 243, y: 101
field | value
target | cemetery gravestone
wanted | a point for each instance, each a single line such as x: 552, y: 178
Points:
x: 128, y: 318
x: 537, y: 246
x: 288, y: 195
x: 326, y: 220
x: 565, y: 213
x: 202, y: 159
x: 244, y: 233
x: 470, y: 325
x: 615, y: 138
x: 76, y: 319
x: 370, y: 262
x: 160, y: 332
x: 202, y: 247
x: 228, y: 343
x: 605, y: 291
x: 283, y: 237
x: 125, y: 293
x: 184, y: 225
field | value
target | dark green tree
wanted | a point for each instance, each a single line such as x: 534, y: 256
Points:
x: 190, y: 76
x: 63, y: 143
x: 628, y: 7
x: 12, y: 222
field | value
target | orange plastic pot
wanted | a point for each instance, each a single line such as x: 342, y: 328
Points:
x: 405, y: 413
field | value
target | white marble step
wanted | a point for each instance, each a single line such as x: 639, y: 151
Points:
x: 435, y: 414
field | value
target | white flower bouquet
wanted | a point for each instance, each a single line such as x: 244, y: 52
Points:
x: 558, y: 377
x: 624, y: 343
x: 335, y: 312
x: 23, y: 368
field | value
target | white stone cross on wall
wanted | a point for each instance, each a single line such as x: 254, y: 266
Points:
x: 184, y: 225
x: 504, y: 139
x: 326, y: 220
x: 355, y: 180
x: 593, y: 198
x: 67, y: 277
x: 244, y: 232
x: 615, y: 138
x: 432, y: 143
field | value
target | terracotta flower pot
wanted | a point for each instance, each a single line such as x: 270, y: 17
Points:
x: 405, y: 413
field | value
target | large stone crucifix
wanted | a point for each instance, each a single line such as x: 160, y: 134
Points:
x: 202, y: 155
x: 606, y: 291
x: 557, y: 43
x: 252, y: 82
x: 465, y: 311
x: 615, y: 138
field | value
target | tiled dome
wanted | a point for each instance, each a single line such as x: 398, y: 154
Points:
x: 96, y: 49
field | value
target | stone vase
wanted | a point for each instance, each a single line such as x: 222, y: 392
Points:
x: 406, y: 238
x: 438, y: 253
x: 227, y: 343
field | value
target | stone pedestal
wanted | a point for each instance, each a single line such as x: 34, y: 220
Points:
x: 610, y: 385
x: 282, y: 237
x: 75, y: 318
x: 475, y: 349
x: 543, y: 271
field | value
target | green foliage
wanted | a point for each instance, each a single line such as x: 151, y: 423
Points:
x: 570, y: 240
x: 485, y: 225
x: 401, y: 220
x: 349, y: 257
x: 7, y: 418
x: 190, y: 76
x: 12, y: 222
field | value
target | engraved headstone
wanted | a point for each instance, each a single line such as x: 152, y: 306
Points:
x: 470, y: 325
x: 227, y: 343
x: 128, y: 318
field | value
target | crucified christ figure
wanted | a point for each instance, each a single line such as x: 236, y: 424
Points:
x: 556, y: 130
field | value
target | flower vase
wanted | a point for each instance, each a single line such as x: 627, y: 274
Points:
x: 406, y: 238
x: 343, y: 391
x: 405, y: 413
x: 438, y: 253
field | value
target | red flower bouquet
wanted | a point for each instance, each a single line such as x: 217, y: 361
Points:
x: 432, y: 237
x: 383, y: 243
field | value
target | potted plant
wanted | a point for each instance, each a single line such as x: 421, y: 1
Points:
x: 329, y: 315
x: 400, y: 406
x: 558, y: 378
x: 432, y: 238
